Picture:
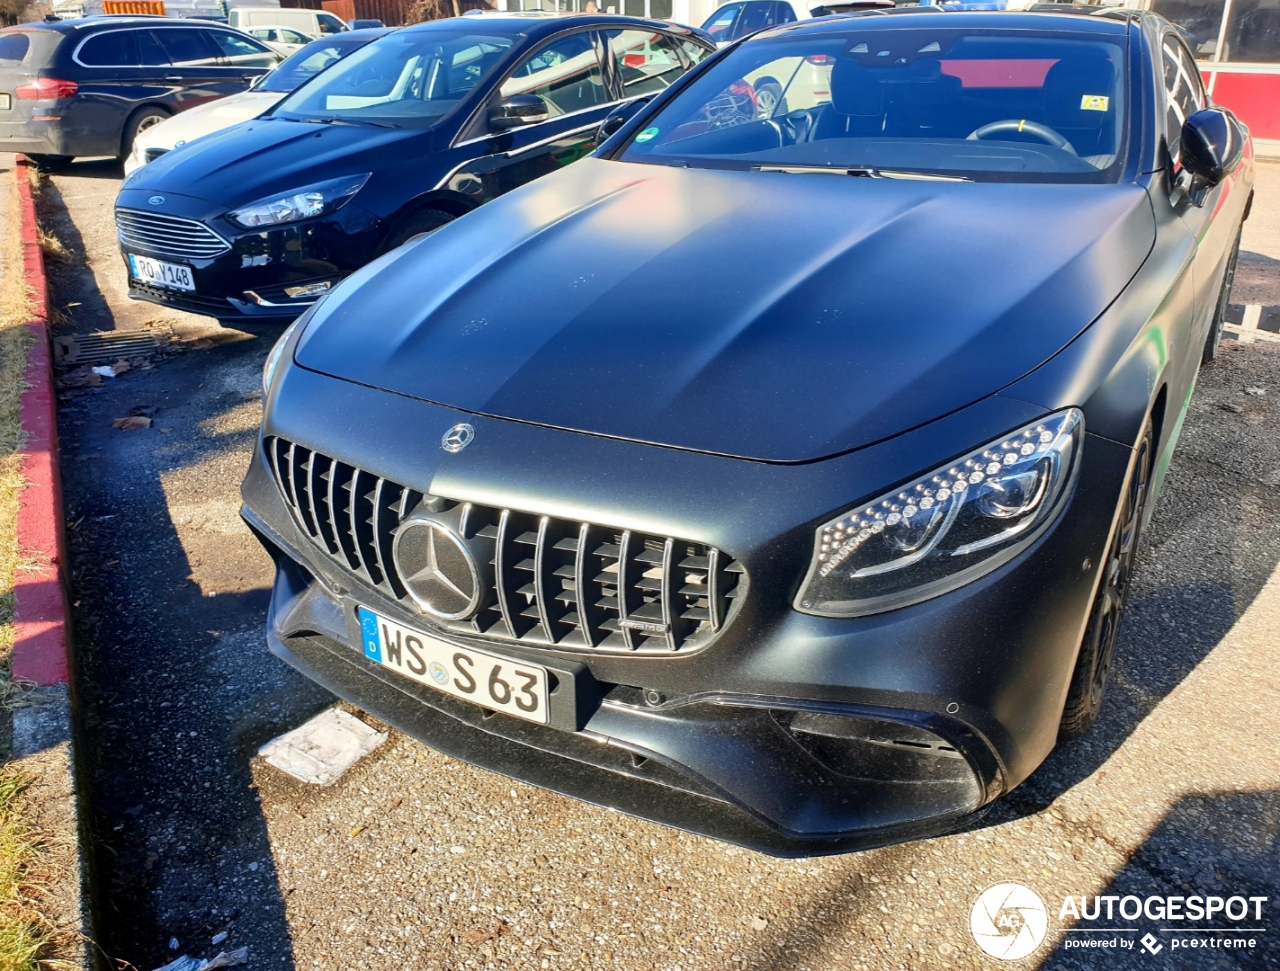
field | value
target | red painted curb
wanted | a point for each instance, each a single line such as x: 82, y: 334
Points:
x: 41, y: 617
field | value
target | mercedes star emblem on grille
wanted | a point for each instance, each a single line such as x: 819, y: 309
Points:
x: 437, y: 569
x: 458, y: 437
x: 156, y: 201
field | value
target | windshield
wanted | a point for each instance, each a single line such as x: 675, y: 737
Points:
x: 978, y: 104
x: 305, y: 64
x: 404, y: 80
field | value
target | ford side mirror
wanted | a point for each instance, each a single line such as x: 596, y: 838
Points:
x: 1212, y: 147
x: 618, y: 117
x: 517, y: 111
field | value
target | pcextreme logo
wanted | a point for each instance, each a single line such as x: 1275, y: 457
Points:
x: 1009, y: 921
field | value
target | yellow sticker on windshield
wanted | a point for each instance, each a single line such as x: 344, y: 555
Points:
x: 1094, y: 102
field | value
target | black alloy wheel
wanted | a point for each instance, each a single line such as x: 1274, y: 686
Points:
x: 1097, y: 653
x: 1220, y: 312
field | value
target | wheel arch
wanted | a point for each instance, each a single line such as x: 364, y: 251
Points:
x: 124, y: 129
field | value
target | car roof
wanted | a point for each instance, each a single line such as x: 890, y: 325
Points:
x: 107, y: 21
x: 539, y: 26
x: 1099, y: 20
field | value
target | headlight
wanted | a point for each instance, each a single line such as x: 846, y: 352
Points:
x: 305, y: 203
x: 946, y: 528
x: 277, y: 352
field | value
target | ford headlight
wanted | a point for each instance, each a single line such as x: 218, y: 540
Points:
x: 946, y: 528
x: 305, y: 203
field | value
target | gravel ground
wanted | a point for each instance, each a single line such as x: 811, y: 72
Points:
x: 416, y: 860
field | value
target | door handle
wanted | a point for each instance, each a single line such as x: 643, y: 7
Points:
x: 172, y: 78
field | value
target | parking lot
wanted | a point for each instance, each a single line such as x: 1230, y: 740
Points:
x: 416, y: 860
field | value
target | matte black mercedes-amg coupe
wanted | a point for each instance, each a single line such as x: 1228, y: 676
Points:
x: 773, y: 474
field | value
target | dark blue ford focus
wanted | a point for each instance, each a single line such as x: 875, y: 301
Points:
x: 776, y: 473
x: 418, y: 128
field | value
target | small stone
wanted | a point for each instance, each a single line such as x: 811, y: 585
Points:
x: 173, y: 944
x: 758, y: 924
x: 457, y: 849
x: 254, y: 868
x: 219, y: 937
x: 1256, y: 392
x: 1235, y: 409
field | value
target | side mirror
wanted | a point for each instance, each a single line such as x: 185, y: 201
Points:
x: 517, y: 111
x: 1212, y: 147
x: 618, y: 117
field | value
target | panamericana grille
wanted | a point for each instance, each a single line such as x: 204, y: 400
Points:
x: 155, y: 232
x: 556, y: 581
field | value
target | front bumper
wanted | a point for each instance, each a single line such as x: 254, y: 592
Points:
x: 789, y: 733
x: 253, y: 279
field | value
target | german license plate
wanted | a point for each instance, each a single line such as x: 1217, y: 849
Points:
x: 171, y: 275
x: 489, y: 680
x: 6, y: 102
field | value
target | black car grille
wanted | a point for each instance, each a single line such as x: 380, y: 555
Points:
x: 556, y: 582
x: 155, y: 232
x: 154, y: 153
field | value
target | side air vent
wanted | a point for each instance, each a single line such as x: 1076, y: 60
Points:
x: 555, y: 582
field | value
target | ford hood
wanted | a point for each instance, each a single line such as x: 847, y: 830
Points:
x: 770, y: 316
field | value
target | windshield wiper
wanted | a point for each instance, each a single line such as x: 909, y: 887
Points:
x: 332, y: 120
x: 862, y: 172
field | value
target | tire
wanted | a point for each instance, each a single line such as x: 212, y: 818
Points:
x: 1094, y: 663
x: 769, y: 100
x: 424, y: 222
x: 139, y: 122
x: 1220, y: 313
x: 49, y: 163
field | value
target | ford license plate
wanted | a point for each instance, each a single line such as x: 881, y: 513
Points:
x: 174, y: 276
x: 489, y: 680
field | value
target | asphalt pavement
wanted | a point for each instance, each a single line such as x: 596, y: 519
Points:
x: 416, y: 860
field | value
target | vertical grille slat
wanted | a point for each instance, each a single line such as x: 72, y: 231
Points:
x: 541, y: 581
x: 556, y: 582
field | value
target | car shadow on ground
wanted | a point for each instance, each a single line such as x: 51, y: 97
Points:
x: 94, y: 168
x: 176, y: 687
x: 1221, y: 844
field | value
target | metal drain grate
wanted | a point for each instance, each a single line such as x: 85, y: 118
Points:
x: 102, y: 348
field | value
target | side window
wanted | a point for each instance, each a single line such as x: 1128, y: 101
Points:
x: 150, y: 53
x: 695, y: 52
x: 720, y: 26
x: 115, y: 48
x: 756, y: 15
x: 565, y: 73
x: 329, y: 24
x: 785, y: 14
x: 188, y: 47
x: 243, y: 52
x: 293, y: 37
x: 1184, y: 92
x: 647, y: 60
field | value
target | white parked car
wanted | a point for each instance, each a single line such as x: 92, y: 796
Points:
x: 205, y: 119
x: 283, y: 40
x: 315, y: 23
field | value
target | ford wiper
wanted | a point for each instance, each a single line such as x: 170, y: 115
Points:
x: 334, y: 120
x: 861, y: 172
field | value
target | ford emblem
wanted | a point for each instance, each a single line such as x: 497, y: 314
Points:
x: 156, y: 201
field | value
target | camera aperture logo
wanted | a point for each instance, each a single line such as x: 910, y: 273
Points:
x: 1009, y: 921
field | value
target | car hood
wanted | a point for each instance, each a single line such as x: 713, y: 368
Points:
x: 769, y: 316
x: 267, y: 155
x: 206, y: 118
